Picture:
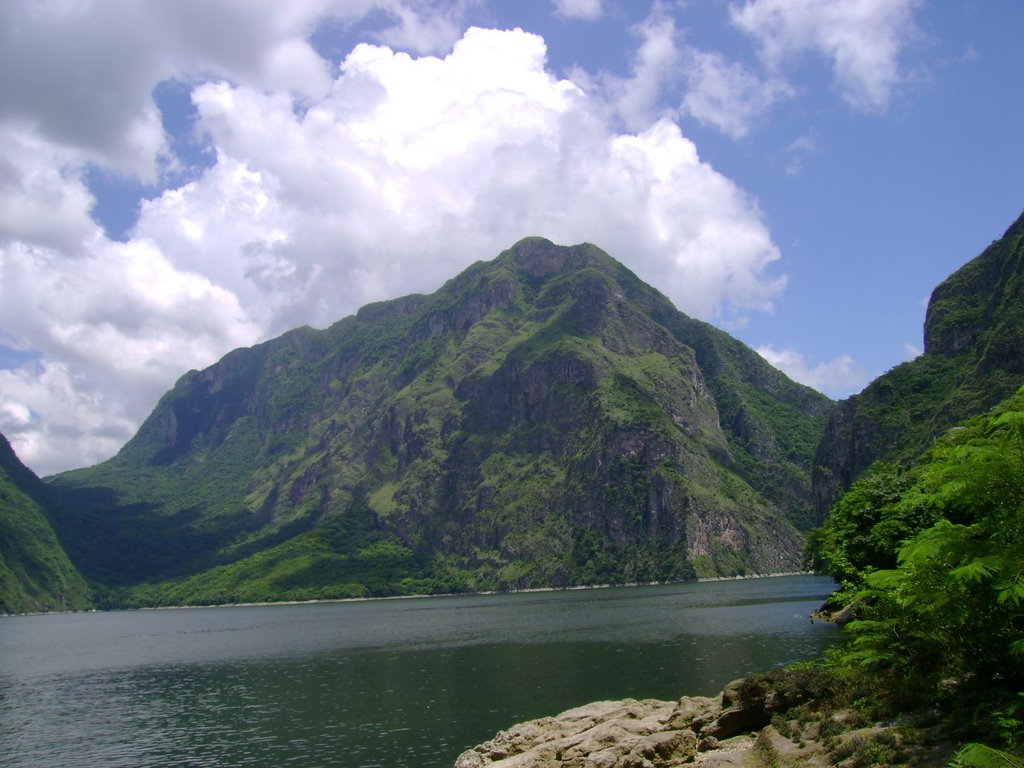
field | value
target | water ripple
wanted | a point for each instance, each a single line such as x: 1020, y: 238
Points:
x: 360, y: 685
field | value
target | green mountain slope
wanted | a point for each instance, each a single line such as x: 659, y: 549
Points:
x: 973, y: 359
x: 544, y: 419
x: 35, y: 573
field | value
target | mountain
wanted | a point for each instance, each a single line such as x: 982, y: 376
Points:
x: 544, y: 419
x: 973, y: 359
x: 35, y: 573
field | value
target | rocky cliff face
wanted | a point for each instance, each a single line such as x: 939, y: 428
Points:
x: 545, y: 419
x: 973, y: 359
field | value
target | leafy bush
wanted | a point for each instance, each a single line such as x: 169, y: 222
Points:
x: 946, y: 621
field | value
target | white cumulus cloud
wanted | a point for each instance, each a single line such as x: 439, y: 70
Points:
x: 637, y: 97
x: 580, y: 9
x: 115, y: 326
x: 839, y: 377
x: 414, y: 167
x: 726, y: 94
x: 863, y: 40
x: 324, y: 194
x: 54, y: 422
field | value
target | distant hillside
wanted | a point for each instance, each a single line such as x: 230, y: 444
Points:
x: 973, y: 359
x: 35, y: 573
x: 544, y: 419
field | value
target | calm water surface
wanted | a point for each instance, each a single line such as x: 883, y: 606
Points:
x: 390, y: 683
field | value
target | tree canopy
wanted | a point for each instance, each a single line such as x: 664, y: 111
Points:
x: 932, y: 556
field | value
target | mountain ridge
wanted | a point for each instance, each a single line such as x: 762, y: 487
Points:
x: 973, y: 359
x: 544, y: 419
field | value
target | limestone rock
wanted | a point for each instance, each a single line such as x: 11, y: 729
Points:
x: 638, y: 734
x: 743, y: 710
x: 606, y: 734
x: 755, y: 723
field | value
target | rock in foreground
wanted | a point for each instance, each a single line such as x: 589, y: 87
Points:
x: 607, y: 733
x: 747, y: 726
x: 631, y: 734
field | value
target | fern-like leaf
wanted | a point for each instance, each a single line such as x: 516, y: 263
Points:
x: 981, y: 756
x: 1011, y: 590
x: 977, y: 571
x: 887, y: 579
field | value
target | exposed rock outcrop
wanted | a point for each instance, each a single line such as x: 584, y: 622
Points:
x: 636, y: 734
x: 756, y: 722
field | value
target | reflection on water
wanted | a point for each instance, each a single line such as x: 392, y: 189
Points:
x: 382, y: 683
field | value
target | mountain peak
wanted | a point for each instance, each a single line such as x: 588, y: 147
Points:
x: 540, y: 258
x: 543, y: 419
x: 969, y: 303
x: 973, y: 359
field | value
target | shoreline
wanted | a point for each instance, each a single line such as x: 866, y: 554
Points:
x: 319, y: 601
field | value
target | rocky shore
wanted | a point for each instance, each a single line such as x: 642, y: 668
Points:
x: 751, y: 724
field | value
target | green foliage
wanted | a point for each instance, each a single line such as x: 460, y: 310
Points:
x: 869, y: 523
x: 947, y: 618
x: 803, y: 683
x: 35, y: 573
x: 929, y: 540
x: 981, y: 756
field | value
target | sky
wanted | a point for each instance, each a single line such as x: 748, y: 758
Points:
x: 179, y: 179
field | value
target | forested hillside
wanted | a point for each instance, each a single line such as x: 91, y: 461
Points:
x: 973, y: 359
x: 544, y: 419
x: 35, y: 573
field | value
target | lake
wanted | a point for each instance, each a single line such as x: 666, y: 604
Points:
x: 390, y: 683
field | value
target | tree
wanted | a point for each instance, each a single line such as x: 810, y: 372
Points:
x: 948, y: 619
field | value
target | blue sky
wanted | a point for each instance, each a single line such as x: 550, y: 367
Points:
x: 180, y: 179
